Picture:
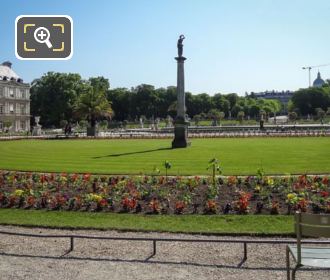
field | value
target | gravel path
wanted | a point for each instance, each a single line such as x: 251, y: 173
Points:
x: 35, y: 258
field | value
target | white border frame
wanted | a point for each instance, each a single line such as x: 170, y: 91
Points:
x: 24, y: 58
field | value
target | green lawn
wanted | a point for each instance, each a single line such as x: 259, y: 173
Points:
x: 230, y: 224
x: 238, y: 155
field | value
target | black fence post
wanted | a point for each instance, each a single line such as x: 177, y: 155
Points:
x: 71, y: 244
x: 154, y: 251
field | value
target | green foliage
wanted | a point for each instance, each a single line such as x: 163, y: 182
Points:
x: 307, y: 100
x: 93, y: 105
x: 7, y: 124
x: 151, y: 102
x: 167, y: 166
x: 249, y: 224
x: 320, y: 113
x: 240, y: 116
x: 54, y: 95
x: 293, y: 116
x: 260, y: 173
x: 214, y: 165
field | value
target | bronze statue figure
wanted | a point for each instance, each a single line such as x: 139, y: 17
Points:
x: 180, y: 45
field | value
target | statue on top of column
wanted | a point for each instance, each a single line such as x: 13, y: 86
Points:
x: 180, y: 45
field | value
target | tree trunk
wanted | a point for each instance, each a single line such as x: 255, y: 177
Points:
x: 91, y: 130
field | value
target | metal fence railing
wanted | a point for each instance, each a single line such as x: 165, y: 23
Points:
x: 155, y: 240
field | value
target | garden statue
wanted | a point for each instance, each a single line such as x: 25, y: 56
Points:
x: 180, y: 45
x: 157, y: 123
x: 37, y: 128
x: 141, y: 123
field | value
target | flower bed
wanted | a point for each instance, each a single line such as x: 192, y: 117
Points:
x: 165, y: 195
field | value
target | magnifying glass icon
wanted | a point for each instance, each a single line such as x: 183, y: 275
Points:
x: 41, y: 35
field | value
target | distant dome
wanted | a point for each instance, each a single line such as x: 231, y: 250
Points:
x: 318, y: 81
x: 6, y: 71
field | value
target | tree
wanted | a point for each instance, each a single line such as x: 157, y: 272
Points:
x: 320, y: 114
x: 100, y: 83
x: 221, y: 116
x: 93, y: 105
x: 240, y: 116
x: 275, y: 106
x: 120, y: 103
x: 197, y: 118
x: 307, y: 100
x: 7, y: 125
x: 293, y: 116
x: 53, y: 97
x: 215, y: 116
x: 328, y: 110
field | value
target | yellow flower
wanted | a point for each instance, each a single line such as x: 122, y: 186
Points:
x: 291, y: 196
x: 270, y: 181
x: 257, y: 188
x: 94, y: 197
x: 18, y: 192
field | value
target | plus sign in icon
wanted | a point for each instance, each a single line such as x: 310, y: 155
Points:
x: 44, y: 37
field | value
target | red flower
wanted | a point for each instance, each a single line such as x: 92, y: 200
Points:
x: 103, y: 202
x: 30, y: 201
x: 154, y: 205
x: 325, y: 180
x: 129, y: 203
x: 43, y: 178
x: 179, y: 206
x: 302, y: 205
x: 86, y: 177
x: 74, y: 177
x: 243, y: 202
x: 211, y: 206
x: 324, y: 194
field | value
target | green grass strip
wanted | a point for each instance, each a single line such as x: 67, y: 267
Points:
x: 202, y: 224
x: 238, y: 156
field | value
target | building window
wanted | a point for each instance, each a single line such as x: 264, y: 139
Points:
x: 18, y: 93
x: 11, y: 92
x: 22, y: 93
x: 11, y: 108
x: 22, y: 125
x: 1, y: 109
x: 22, y: 109
x: 1, y: 125
x: 1, y: 92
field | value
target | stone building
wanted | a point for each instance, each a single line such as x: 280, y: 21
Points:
x: 282, y: 96
x: 318, y: 82
x: 14, y: 101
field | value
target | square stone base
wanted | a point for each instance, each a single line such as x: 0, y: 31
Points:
x: 180, y: 136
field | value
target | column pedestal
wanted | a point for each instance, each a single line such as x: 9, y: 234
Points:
x: 180, y: 123
x: 180, y: 134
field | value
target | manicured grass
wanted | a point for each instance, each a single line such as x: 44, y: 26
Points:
x: 238, y: 156
x: 229, y: 224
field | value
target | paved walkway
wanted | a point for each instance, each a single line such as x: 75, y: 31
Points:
x: 33, y: 258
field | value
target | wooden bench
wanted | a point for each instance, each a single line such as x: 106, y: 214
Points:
x: 311, y: 225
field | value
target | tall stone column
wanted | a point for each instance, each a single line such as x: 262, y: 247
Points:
x: 180, y: 122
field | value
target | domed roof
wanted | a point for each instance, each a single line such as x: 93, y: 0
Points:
x: 6, y: 71
x: 318, y: 81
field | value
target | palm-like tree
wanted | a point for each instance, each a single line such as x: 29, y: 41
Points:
x: 93, y: 105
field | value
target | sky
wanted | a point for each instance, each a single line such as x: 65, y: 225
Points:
x: 231, y: 45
